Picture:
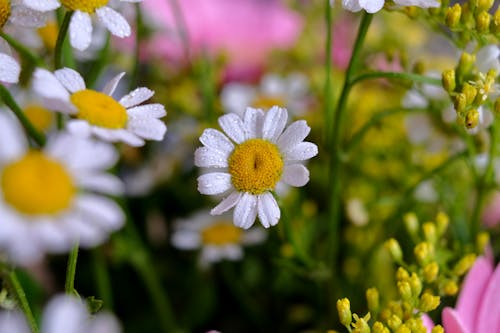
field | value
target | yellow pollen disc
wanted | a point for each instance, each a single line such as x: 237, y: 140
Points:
x: 39, y: 116
x: 267, y: 102
x: 4, y: 12
x: 48, y: 34
x: 221, y: 233
x: 87, y: 6
x: 255, y: 166
x: 37, y: 184
x: 99, y: 109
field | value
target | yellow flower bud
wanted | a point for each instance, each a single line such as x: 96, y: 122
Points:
x: 372, y: 298
x: 429, y: 302
x: 483, y: 239
x: 495, y: 26
x: 437, y: 329
x: 453, y: 15
x: 442, y: 222
x: 484, y: 4
x: 403, y: 329
x: 423, y: 252
x: 483, y: 21
x: 431, y: 271
x: 429, y: 230
x: 464, y: 264
x: 402, y: 274
x: 411, y: 223
x: 404, y: 290
x: 344, y: 310
x: 460, y: 102
x: 465, y: 63
x: 448, y: 80
x: 450, y: 288
x: 394, y: 249
x: 378, y: 327
x: 471, y: 118
x: 394, y: 322
x: 360, y: 325
x: 416, y: 284
x: 470, y: 92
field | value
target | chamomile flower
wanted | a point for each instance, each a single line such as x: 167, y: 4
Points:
x: 80, y: 26
x: 15, y: 12
x: 62, y: 314
x: 97, y: 112
x: 9, y: 69
x: 48, y: 198
x: 250, y: 159
x: 218, y: 238
x: 373, y: 6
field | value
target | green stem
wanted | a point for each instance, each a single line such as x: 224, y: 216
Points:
x: 396, y: 75
x: 33, y: 133
x: 63, y: 31
x: 101, y: 275
x: 206, y: 77
x: 71, y: 270
x: 22, y: 299
x: 328, y: 105
x: 22, y: 50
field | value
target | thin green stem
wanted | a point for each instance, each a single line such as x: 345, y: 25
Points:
x: 396, y: 75
x: 22, y: 299
x: 328, y: 103
x: 101, y: 276
x: 63, y: 31
x: 22, y: 50
x: 33, y: 133
x: 206, y: 77
x: 69, y: 286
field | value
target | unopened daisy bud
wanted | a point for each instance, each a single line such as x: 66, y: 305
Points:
x: 378, y: 327
x: 464, y: 264
x: 450, y: 288
x: 437, y: 329
x: 470, y: 92
x: 431, y: 271
x: 394, y: 249
x: 394, y: 322
x: 411, y: 223
x: 344, y: 310
x: 496, y: 107
x: 423, y: 252
x: 416, y: 284
x: 429, y: 302
x: 453, y: 15
x: 483, y: 21
x: 402, y: 274
x: 460, y: 102
x: 372, y: 299
x: 404, y: 290
x: 403, y: 329
x: 465, y: 63
x: 448, y: 80
x: 360, y: 325
x: 442, y: 222
x: 429, y: 230
x: 471, y: 118
x: 482, y: 241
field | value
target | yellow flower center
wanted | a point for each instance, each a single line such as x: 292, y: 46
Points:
x: 221, y: 233
x: 99, y: 109
x: 267, y: 102
x: 4, y: 12
x: 255, y: 166
x: 39, y: 116
x: 37, y: 184
x: 87, y: 6
x: 48, y: 34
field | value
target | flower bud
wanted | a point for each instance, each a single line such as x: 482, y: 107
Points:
x: 464, y: 264
x: 423, y: 252
x: 429, y: 230
x: 460, y: 102
x: 344, y: 310
x: 378, y: 327
x: 442, y: 222
x: 483, y: 21
x: 394, y: 322
x: 394, y: 249
x: 465, y: 63
x: 415, y: 284
x: 429, y: 302
x: 482, y: 241
x: 471, y: 118
x: 495, y: 26
x: 450, y: 288
x: 453, y: 15
x: 361, y: 324
x: 431, y: 271
x: 437, y: 329
x: 484, y: 4
x: 402, y: 274
x: 403, y: 329
x: 404, y: 290
x: 372, y: 299
x: 470, y: 92
x: 411, y: 223
x: 448, y: 80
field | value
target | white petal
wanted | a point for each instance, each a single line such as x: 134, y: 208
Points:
x: 64, y: 314
x: 216, y: 140
x: 301, y: 152
x: 79, y: 128
x: 104, y: 183
x: 418, y: 3
x: 487, y: 58
x: 186, y: 239
x: 372, y: 6
x: 233, y: 127
x: 127, y: 137
x: 80, y: 30
x: 87, y: 232
x: 70, y: 79
x: 13, y: 321
x: 27, y: 17
x: 214, y: 183
x: 268, y: 210
x: 293, y: 135
x: 245, y: 211
x: 154, y: 110
x: 136, y: 97
x: 53, y: 236
x: 232, y: 252
x: 274, y: 123
x: 114, y: 21
x: 101, y: 211
x: 48, y: 86
x: 14, y: 143
x: 9, y: 69
x: 295, y: 175
x: 147, y: 128
x: 253, y: 120
x: 104, y: 323
x: 229, y: 202
x: 351, y: 5
x: 110, y: 87
x: 42, y: 5
x: 205, y: 157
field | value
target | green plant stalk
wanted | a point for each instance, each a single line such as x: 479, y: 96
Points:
x: 22, y: 299
x: 102, y: 279
x: 33, y: 133
x: 63, y: 31
x: 22, y: 50
x: 206, y: 77
x: 69, y: 286
x: 398, y: 76
x: 328, y: 99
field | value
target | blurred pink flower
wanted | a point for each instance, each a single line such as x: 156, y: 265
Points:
x: 477, y: 309
x: 491, y: 213
x: 344, y: 33
x: 244, y: 30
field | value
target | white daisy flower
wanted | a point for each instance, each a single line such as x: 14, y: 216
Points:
x: 9, y: 69
x: 62, y: 314
x: 252, y: 157
x: 218, y: 238
x: 16, y: 13
x: 97, y: 112
x: 48, y: 198
x: 373, y: 6
x: 80, y: 26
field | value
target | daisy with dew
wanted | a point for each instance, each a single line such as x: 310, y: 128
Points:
x: 49, y: 197
x: 62, y: 314
x: 250, y: 159
x: 373, y: 6
x: 80, y: 26
x: 218, y: 238
x: 97, y: 112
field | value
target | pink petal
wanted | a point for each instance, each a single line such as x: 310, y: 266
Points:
x: 488, y: 319
x: 452, y: 322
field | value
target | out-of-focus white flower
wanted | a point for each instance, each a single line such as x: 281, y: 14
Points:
x: 356, y: 212
x: 97, y: 112
x: 373, y: 6
x: 47, y: 197
x: 15, y: 12
x: 217, y: 237
x: 250, y: 159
